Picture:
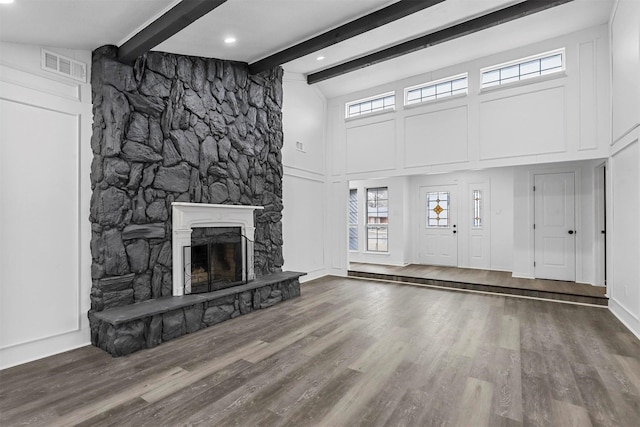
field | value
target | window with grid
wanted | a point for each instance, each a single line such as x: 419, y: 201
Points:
x: 386, y: 101
x: 353, y: 220
x: 526, y: 68
x: 457, y: 85
x: 378, y: 219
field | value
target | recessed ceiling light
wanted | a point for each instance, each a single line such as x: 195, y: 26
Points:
x: 230, y: 40
x: 6, y: 1
x: 320, y: 58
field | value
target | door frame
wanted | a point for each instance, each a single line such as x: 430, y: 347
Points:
x: 420, y: 224
x: 577, y: 200
x: 600, y: 215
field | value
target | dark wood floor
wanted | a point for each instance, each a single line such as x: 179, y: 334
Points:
x: 483, y: 280
x: 353, y: 352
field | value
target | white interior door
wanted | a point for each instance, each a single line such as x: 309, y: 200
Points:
x: 554, y: 226
x: 438, y: 231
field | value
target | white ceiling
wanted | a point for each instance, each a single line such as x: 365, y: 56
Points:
x: 263, y: 27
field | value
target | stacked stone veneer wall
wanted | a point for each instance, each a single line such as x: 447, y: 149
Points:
x: 176, y: 128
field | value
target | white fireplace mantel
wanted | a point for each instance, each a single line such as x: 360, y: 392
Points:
x: 186, y: 216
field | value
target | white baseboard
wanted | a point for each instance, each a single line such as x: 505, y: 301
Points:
x: 630, y: 321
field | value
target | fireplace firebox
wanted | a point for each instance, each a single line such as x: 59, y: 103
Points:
x: 216, y: 255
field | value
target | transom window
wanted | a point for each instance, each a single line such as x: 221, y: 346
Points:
x: 525, y: 68
x: 435, y: 90
x: 378, y: 219
x: 438, y: 209
x: 386, y: 101
x: 353, y: 220
x: 477, y: 208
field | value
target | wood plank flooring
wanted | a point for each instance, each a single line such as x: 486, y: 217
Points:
x: 482, y: 280
x: 353, y: 353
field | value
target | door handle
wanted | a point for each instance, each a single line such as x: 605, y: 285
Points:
x: 571, y: 231
x: 454, y: 231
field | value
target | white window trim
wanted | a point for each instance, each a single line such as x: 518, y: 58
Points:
x: 433, y: 83
x: 370, y: 98
x: 562, y: 72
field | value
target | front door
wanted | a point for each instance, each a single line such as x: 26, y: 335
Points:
x: 438, y: 232
x: 554, y: 227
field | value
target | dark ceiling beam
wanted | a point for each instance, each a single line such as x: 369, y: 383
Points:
x: 450, y: 33
x: 174, y: 20
x: 351, y: 29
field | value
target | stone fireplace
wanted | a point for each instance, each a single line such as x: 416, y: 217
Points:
x: 182, y: 145
x: 217, y: 247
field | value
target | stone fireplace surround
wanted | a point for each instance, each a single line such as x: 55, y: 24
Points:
x: 178, y: 129
x: 187, y: 216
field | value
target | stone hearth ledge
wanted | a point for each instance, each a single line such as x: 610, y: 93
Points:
x: 123, y: 330
x: 119, y: 315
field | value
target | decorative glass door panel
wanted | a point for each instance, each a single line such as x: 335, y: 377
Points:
x: 438, y: 233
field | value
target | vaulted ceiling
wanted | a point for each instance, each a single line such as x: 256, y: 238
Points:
x: 264, y: 27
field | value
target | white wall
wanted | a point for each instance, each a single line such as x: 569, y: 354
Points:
x: 561, y: 117
x: 45, y: 156
x: 564, y: 118
x: 490, y: 246
x: 304, y: 187
x: 585, y: 220
x: 624, y: 179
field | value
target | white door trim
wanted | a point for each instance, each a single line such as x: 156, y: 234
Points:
x: 561, y: 267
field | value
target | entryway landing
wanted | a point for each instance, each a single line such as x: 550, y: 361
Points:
x: 482, y: 280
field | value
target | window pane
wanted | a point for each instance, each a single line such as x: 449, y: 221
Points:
x: 353, y: 238
x: 438, y: 209
x: 442, y: 88
x: 551, y: 62
x: 354, y: 109
x: 530, y: 67
x: 490, y: 76
x: 477, y: 208
x: 429, y: 91
x: 509, y: 72
x: 377, y: 219
x: 390, y: 101
x: 413, y: 95
x: 377, y: 104
x: 459, y: 84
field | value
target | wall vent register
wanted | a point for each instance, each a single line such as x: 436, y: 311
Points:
x: 63, y: 66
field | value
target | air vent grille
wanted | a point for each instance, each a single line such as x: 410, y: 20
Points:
x: 64, y: 66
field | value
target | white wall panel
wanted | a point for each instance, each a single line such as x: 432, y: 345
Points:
x: 625, y: 67
x: 436, y: 137
x: 523, y: 124
x: 371, y: 147
x: 303, y: 122
x: 303, y: 225
x: 588, y: 97
x: 625, y: 271
x: 38, y: 223
x: 45, y: 131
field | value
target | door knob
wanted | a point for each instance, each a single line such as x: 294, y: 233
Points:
x: 454, y: 231
x: 570, y: 231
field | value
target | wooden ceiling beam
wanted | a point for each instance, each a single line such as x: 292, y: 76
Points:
x: 170, y: 23
x: 447, y: 34
x: 351, y: 29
